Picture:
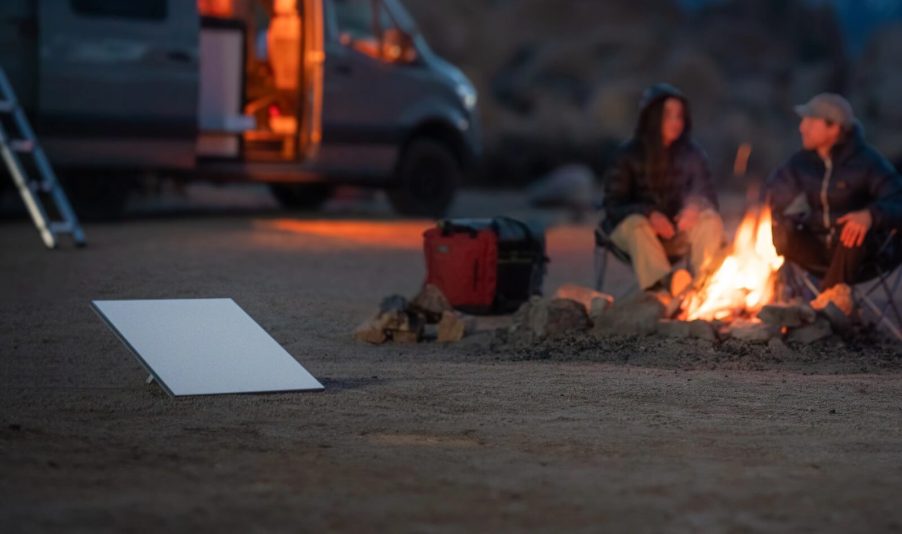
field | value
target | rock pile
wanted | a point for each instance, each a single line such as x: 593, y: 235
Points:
x: 427, y: 316
x: 575, y: 310
x: 579, y: 311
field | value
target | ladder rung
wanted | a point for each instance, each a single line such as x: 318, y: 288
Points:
x: 7, y: 106
x: 61, y: 227
x: 23, y: 146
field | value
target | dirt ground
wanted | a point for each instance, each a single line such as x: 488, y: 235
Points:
x: 624, y: 435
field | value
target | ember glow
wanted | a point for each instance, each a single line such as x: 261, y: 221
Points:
x: 745, y: 281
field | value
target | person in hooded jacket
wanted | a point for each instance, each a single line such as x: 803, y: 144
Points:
x: 659, y: 199
x: 836, y: 202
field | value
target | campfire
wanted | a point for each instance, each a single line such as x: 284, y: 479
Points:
x: 746, y: 279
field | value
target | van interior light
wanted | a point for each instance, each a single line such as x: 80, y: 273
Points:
x: 224, y: 9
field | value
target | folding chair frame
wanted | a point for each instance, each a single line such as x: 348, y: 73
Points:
x: 890, y: 282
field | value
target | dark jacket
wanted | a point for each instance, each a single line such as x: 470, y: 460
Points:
x: 628, y: 189
x: 860, y: 179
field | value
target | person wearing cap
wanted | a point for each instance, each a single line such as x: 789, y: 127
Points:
x: 659, y: 199
x: 834, y: 202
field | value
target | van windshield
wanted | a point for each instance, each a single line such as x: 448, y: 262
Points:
x: 405, y: 21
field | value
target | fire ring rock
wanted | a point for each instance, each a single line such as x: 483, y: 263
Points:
x: 565, y: 316
x: 539, y: 318
x: 752, y: 332
x: 635, y: 316
x: 594, y: 302
x: 787, y: 315
x: 816, y: 331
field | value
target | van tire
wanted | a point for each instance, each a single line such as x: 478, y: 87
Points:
x: 98, y: 196
x: 428, y: 177
x: 301, y: 196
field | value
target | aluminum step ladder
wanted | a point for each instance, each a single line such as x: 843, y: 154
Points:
x: 22, y: 143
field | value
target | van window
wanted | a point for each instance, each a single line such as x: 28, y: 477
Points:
x: 130, y: 9
x: 355, y: 19
x: 367, y: 26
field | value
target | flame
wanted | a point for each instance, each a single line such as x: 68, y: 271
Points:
x: 745, y: 281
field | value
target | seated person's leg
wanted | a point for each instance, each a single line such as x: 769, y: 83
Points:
x: 851, y: 266
x: 705, y: 240
x: 803, y: 248
x: 636, y: 236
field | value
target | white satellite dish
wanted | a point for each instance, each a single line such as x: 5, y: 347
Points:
x: 204, y: 347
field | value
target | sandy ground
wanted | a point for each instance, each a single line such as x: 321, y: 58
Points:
x: 629, y: 435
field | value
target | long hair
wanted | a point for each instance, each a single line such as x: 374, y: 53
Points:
x: 658, y: 159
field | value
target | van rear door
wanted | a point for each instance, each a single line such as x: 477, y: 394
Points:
x: 119, y: 82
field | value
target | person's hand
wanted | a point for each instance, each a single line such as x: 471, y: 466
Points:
x: 687, y: 218
x: 662, y: 225
x: 855, y: 227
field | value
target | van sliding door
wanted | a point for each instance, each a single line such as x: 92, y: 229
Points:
x: 119, y: 81
x: 312, y: 92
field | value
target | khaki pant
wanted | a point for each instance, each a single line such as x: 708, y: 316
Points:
x: 649, y: 252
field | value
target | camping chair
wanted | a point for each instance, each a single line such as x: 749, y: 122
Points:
x: 605, y: 248
x: 882, y: 278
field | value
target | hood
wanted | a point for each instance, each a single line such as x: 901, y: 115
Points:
x: 653, y: 95
x: 658, y: 92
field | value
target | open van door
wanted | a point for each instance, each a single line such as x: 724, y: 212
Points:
x: 119, y: 82
x: 312, y: 83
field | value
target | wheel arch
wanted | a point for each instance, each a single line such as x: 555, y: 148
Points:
x: 439, y: 130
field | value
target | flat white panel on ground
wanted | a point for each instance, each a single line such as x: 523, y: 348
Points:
x: 204, y: 347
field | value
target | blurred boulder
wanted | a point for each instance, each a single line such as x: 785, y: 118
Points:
x: 570, y: 186
x: 877, y: 84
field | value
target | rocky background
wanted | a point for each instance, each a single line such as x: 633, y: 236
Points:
x: 559, y: 81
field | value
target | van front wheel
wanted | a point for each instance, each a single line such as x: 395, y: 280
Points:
x: 428, y: 178
x: 301, y: 196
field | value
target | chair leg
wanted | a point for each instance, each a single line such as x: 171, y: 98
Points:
x: 891, y: 295
x: 890, y: 292
x: 882, y: 317
x: 601, y: 266
x: 896, y: 285
x: 800, y: 281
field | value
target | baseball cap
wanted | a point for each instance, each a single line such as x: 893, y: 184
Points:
x: 828, y: 106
